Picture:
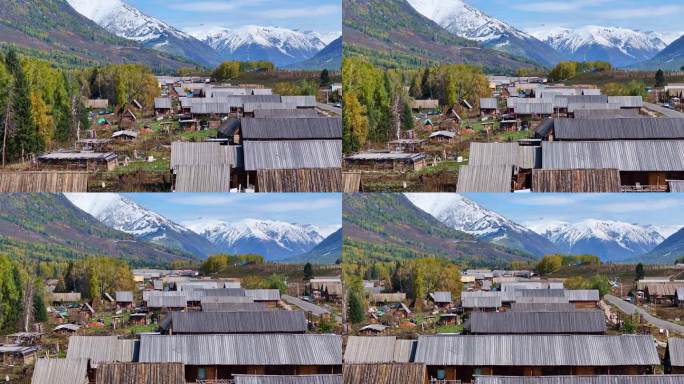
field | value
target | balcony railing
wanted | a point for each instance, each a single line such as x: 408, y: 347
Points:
x: 444, y: 381
x: 643, y: 188
x: 215, y: 381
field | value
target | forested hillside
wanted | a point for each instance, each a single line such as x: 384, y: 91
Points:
x: 386, y: 227
x: 51, y: 29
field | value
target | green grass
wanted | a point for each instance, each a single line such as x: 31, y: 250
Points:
x: 198, y: 135
x: 452, y: 328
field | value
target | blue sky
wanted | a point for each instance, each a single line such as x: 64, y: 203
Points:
x: 320, y: 209
x: 655, y: 209
x: 655, y: 15
x: 322, y: 16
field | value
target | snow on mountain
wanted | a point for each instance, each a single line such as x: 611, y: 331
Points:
x: 129, y: 22
x: 465, y: 215
x: 329, y: 37
x: 619, y: 46
x: 464, y: 20
x: 281, y: 46
x: 275, y: 240
x: 120, y: 213
x: 610, y: 240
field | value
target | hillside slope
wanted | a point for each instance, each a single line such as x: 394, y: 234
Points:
x: 125, y: 215
x: 463, y: 214
x: 128, y: 22
x: 670, y: 58
x: 464, y: 20
x: 52, y: 29
x: 666, y: 252
x: 329, y: 58
x: 327, y: 251
x: 383, y: 226
x: 49, y: 226
x: 393, y: 34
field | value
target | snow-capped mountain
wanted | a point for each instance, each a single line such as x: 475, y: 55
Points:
x: 610, y: 240
x: 667, y: 252
x: 463, y: 214
x: 619, y: 46
x: 129, y: 22
x: 120, y: 213
x: 280, y: 46
x: 275, y: 240
x: 464, y: 20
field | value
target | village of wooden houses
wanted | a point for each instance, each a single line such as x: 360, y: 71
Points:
x: 536, y: 135
x: 196, y: 136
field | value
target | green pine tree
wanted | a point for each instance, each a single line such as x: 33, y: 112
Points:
x: 356, y: 312
x: 24, y: 140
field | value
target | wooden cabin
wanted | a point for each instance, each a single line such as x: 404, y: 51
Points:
x: 63, y: 298
x: 237, y: 322
x: 428, y: 104
x: 86, y: 313
x: 489, y: 107
x: 386, y: 161
x: 162, y: 106
x: 674, y: 356
x: 406, y: 145
x: 442, y: 137
x: 125, y: 135
x: 124, y: 299
x: 461, y: 357
x: 128, y: 120
x: 441, y: 299
x: 660, y: 293
x: 264, y: 354
x: 104, y: 161
x: 13, y: 355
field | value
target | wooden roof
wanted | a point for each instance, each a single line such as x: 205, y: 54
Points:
x: 405, y: 373
x: 140, y: 373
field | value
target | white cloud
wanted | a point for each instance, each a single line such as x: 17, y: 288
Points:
x: 639, y: 206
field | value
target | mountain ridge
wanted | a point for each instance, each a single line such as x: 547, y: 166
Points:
x: 461, y: 213
x: 464, y: 20
x: 126, y: 21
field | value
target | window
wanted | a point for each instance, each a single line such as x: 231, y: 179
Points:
x: 201, y: 373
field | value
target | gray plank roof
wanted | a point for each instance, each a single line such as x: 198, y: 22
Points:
x: 176, y: 301
x: 300, y: 101
x: 537, y: 350
x: 263, y: 294
x: 606, y: 113
x: 203, y: 178
x: 162, y: 103
x: 238, y: 322
x: 292, y: 128
x: 533, y: 108
x: 488, y: 103
x: 102, y: 349
x: 210, y: 108
x: 572, y: 107
x: 124, y: 296
x: 524, y: 156
x: 233, y: 307
x: 281, y: 379
x: 582, y: 294
x: 484, y: 178
x: 575, y: 322
x: 542, y: 307
x: 251, y: 107
x: 225, y: 299
x: 305, y: 305
x: 574, y: 99
x: 441, y: 297
x: 60, y: 371
x: 378, y: 349
x: 600, y: 379
x: 618, y: 129
x: 627, y: 101
x: 675, y: 349
x: 98, y: 156
x: 625, y: 155
x: 291, y: 113
x: 473, y: 302
x: 307, y: 349
x: 186, y: 153
x: 295, y: 154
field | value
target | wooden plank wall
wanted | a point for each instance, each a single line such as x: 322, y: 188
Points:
x: 575, y: 180
x: 43, y: 182
x: 299, y: 180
